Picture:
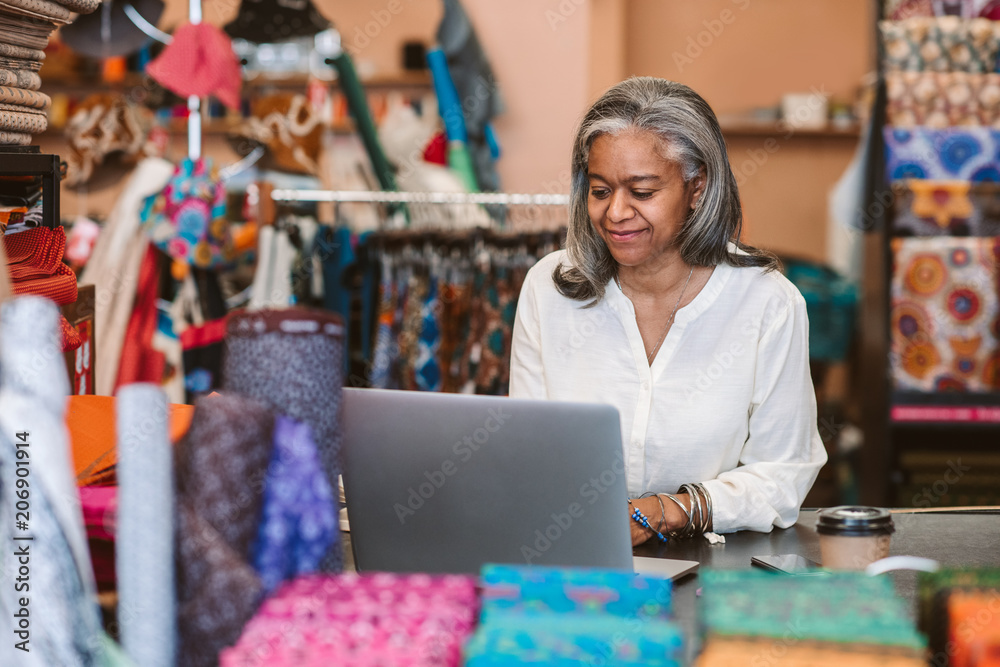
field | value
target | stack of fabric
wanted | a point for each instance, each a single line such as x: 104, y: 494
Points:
x: 958, y: 611
x: 20, y: 203
x: 553, y: 616
x: 25, y: 26
x: 35, y: 264
x: 351, y: 619
x: 828, y: 619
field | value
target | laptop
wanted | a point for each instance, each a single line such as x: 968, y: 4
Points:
x: 448, y: 482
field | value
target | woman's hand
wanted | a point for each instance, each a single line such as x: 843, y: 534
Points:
x: 650, y: 507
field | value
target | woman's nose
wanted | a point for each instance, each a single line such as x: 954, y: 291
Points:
x: 619, y: 207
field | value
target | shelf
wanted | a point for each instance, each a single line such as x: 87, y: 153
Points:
x: 741, y: 126
x: 915, y: 409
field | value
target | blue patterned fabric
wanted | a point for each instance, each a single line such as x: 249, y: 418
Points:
x: 963, y: 153
x: 299, y: 522
x: 428, y: 369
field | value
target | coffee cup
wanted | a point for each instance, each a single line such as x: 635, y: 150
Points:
x: 853, y: 537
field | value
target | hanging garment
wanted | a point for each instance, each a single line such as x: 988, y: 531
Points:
x: 199, y: 61
x: 455, y: 303
x: 427, y: 367
x: 336, y: 252
x: 288, y: 127
x: 412, y: 324
x: 221, y: 465
x: 114, y: 267
x: 943, y: 99
x: 299, y: 523
x: 946, y: 208
x: 139, y: 361
x: 945, y: 314
x: 187, y: 218
x: 941, y: 44
x: 64, y: 625
x: 292, y: 360
x: 147, y: 596
x: 385, y: 352
x: 103, y: 124
x: 267, y: 21
x: 967, y: 153
x: 272, y: 279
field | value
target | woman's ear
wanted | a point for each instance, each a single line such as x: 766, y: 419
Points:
x: 698, y: 187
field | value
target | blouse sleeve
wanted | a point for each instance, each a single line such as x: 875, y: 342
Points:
x: 527, y: 375
x: 783, y: 451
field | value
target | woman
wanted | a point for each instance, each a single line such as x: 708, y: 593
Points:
x: 656, y: 308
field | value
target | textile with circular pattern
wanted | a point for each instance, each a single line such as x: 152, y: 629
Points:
x: 187, y: 219
x: 966, y: 153
x: 945, y: 314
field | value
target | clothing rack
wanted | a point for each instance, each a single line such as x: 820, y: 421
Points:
x: 433, y: 210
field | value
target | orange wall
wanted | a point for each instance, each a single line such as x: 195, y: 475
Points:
x: 740, y: 54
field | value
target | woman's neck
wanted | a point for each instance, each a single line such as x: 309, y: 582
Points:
x: 654, y: 282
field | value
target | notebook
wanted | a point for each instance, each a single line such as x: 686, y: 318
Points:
x: 448, y: 482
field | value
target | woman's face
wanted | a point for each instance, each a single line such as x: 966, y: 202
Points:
x: 638, y: 199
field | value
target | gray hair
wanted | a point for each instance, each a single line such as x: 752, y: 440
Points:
x: 692, y: 138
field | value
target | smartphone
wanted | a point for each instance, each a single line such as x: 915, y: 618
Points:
x: 787, y: 563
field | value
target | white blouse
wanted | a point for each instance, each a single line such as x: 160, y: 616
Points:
x: 728, y: 400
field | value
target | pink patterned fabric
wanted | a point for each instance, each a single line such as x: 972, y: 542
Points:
x: 368, y: 619
x: 199, y: 61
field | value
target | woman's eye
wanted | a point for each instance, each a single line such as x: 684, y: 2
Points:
x: 598, y: 193
x: 642, y: 195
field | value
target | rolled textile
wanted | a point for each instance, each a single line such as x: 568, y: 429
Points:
x: 65, y: 626
x: 940, y: 44
x: 221, y: 469
x: 30, y: 123
x: 20, y: 78
x: 292, y: 360
x: 14, y: 138
x: 144, y: 548
x: 31, y: 99
x: 20, y: 52
x: 41, y: 9
x: 81, y: 6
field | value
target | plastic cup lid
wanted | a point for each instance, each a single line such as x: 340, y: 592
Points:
x: 854, y: 520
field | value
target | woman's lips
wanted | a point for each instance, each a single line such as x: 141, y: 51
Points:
x: 625, y: 235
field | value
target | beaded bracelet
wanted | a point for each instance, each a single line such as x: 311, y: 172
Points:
x: 641, y: 519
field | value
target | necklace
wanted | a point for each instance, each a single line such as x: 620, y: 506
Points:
x: 663, y: 334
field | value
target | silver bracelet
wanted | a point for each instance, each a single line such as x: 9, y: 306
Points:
x: 687, y: 513
x: 701, y: 507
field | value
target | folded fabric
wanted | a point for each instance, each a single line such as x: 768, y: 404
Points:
x: 20, y: 52
x: 968, y: 153
x: 941, y: 44
x: 35, y: 252
x: 31, y: 99
x: 81, y: 6
x: 99, y: 510
x: 41, y: 9
x: 945, y: 314
x: 23, y: 122
x: 898, y: 10
x: 360, y: 620
x: 199, y: 61
x: 943, y: 99
x: 23, y: 31
x: 60, y: 288
x: 14, y: 138
x: 946, y: 208
x: 299, y: 521
x: 187, y: 219
x: 221, y: 463
x: 90, y: 421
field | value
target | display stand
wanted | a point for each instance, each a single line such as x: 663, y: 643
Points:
x: 908, y: 434
x: 30, y: 161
